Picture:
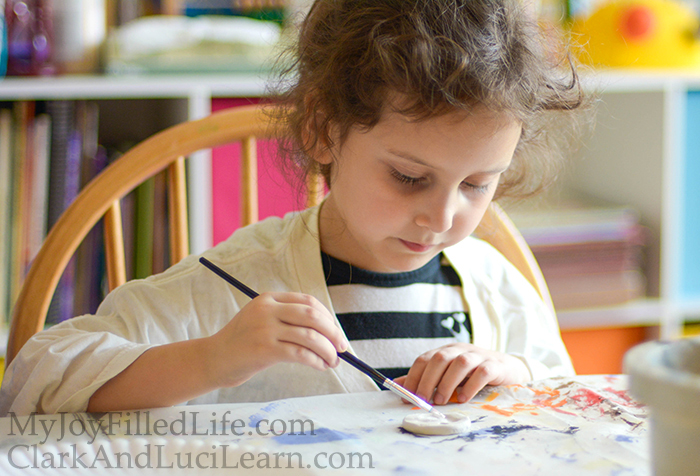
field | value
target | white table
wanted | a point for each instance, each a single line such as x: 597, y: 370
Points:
x: 583, y: 426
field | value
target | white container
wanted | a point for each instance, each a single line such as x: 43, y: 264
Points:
x: 666, y: 377
x: 80, y: 27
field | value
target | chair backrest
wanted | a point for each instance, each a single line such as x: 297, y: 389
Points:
x: 168, y: 149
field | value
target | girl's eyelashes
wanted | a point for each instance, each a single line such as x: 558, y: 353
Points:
x: 412, y: 181
x: 406, y: 179
x: 477, y: 188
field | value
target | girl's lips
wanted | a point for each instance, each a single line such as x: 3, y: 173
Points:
x: 416, y: 247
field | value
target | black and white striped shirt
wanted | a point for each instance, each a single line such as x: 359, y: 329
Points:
x: 392, y: 318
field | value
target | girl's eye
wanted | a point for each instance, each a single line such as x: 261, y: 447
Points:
x: 483, y: 189
x: 406, y: 179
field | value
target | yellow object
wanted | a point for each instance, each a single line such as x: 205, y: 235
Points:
x: 639, y: 33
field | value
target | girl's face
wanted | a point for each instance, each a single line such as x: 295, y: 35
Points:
x: 403, y: 191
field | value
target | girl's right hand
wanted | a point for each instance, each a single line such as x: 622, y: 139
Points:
x: 273, y: 328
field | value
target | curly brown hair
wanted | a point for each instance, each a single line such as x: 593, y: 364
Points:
x: 352, y: 56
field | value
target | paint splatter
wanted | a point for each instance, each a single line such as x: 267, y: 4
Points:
x: 270, y: 407
x: 500, y: 432
x: 513, y: 409
x: 319, y: 435
x: 547, y: 398
x: 586, y: 399
x: 406, y: 432
x: 254, y: 420
x: 407, y: 471
x: 625, y: 398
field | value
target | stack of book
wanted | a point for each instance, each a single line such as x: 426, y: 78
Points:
x: 49, y: 150
x: 590, y: 257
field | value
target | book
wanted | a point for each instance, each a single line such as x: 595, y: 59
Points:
x: 161, y: 255
x: 64, y: 182
x: 5, y: 210
x: 144, y: 215
x: 595, y: 289
x: 90, y: 257
x: 128, y: 206
x: 39, y: 185
x: 23, y: 113
x: 590, y: 255
x: 89, y: 272
x: 65, y: 292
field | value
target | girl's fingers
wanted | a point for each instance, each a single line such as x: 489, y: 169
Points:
x: 429, y: 370
x: 412, y: 379
x: 482, y: 376
x: 302, y: 355
x: 459, y: 369
x: 311, y: 340
x: 432, y: 375
x: 305, y: 311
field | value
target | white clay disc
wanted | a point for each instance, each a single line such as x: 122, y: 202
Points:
x: 430, y: 424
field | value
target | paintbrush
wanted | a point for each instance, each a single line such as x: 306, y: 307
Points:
x: 377, y: 376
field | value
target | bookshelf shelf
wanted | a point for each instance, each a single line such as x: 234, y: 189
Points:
x: 129, y: 87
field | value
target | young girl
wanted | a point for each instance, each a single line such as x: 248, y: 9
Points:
x: 417, y: 113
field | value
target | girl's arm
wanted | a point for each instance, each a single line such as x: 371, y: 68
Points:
x: 162, y: 376
x: 272, y: 328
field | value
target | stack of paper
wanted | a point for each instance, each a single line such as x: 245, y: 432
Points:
x: 589, y: 256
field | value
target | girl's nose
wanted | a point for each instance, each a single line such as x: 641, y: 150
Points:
x: 437, y: 212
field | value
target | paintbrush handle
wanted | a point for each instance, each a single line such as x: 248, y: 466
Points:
x: 230, y: 279
x: 363, y: 367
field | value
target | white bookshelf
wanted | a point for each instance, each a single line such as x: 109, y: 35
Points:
x: 635, y: 157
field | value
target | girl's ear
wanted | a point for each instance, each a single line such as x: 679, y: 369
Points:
x: 318, y: 133
x: 318, y: 136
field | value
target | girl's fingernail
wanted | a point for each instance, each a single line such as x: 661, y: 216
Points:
x: 438, y: 399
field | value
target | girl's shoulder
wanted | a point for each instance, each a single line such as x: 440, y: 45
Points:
x: 271, y: 236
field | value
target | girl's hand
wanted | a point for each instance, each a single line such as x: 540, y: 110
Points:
x: 439, y: 372
x: 273, y: 328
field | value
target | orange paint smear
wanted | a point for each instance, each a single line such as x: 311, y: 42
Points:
x: 553, y: 400
x: 496, y: 409
x: 516, y: 408
x: 492, y: 396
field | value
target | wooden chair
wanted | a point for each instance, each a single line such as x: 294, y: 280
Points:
x: 167, y: 149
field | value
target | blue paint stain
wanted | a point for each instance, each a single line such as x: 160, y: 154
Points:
x: 254, y: 420
x: 500, y: 432
x: 318, y: 435
x: 407, y: 471
x: 625, y: 438
x: 270, y: 407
